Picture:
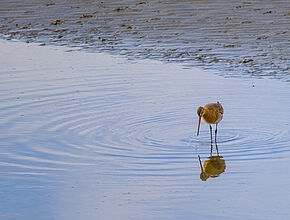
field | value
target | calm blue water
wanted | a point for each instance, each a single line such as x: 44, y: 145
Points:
x: 90, y: 136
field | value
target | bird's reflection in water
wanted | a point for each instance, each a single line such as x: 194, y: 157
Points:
x: 213, y: 166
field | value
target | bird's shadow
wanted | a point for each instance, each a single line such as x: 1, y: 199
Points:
x: 213, y: 166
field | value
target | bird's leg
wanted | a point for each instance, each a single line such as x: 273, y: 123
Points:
x: 210, y: 128
x: 210, y: 149
x: 216, y: 147
x: 215, y: 132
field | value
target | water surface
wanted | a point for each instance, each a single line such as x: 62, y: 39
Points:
x: 84, y: 134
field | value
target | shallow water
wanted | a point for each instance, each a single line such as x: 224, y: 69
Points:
x: 84, y: 134
x: 240, y: 38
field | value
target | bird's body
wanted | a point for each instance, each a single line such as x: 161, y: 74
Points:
x: 212, y: 114
x: 212, y: 167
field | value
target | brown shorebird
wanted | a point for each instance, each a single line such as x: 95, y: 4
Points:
x: 211, y: 114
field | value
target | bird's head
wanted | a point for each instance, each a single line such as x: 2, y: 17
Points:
x: 200, y: 112
x: 204, y: 176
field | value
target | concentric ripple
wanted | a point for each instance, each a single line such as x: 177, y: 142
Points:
x: 245, y: 144
x: 116, y: 121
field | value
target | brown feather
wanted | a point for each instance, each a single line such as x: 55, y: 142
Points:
x: 213, y: 113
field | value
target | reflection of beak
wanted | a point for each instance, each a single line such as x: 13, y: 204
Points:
x: 200, y: 164
x: 198, y: 125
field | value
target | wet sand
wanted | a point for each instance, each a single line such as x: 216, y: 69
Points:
x: 239, y: 38
x: 94, y: 136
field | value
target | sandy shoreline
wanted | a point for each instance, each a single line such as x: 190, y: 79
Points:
x: 83, y: 134
x: 236, y: 37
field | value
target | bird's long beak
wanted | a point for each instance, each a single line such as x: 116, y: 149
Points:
x: 198, y: 126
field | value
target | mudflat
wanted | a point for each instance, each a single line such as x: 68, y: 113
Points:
x: 240, y: 38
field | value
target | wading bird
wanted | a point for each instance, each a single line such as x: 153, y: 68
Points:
x: 211, y: 114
